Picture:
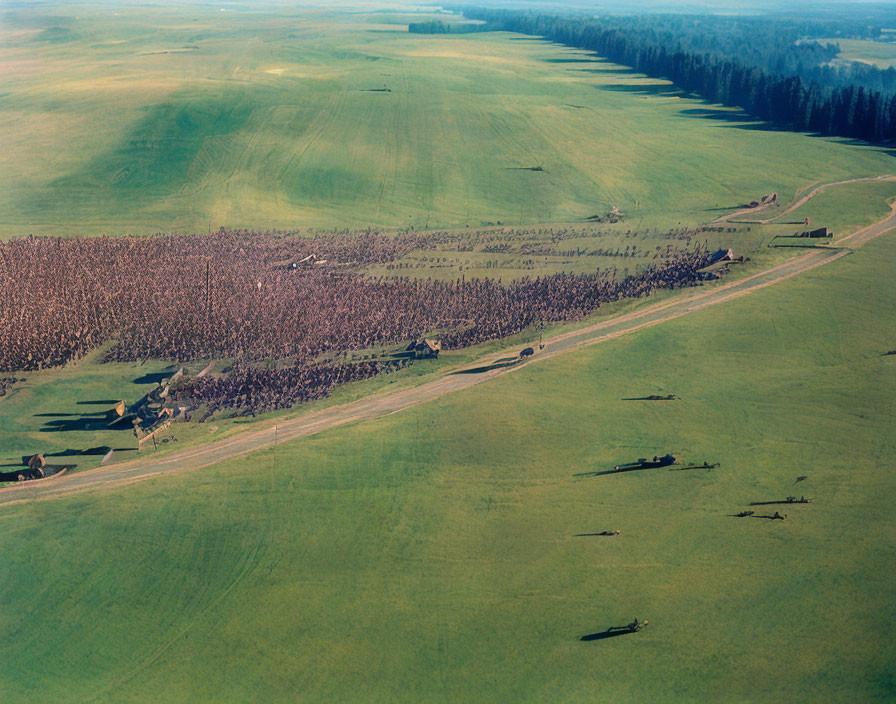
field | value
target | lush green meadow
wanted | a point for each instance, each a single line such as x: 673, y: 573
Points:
x: 143, y: 119
x: 434, y: 554
x: 440, y: 553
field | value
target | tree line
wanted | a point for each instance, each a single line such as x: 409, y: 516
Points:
x: 787, y: 101
x: 439, y: 27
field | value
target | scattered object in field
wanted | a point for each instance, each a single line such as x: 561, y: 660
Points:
x: 523, y: 168
x: 818, y: 233
x: 654, y: 397
x: 384, y: 89
x: 788, y: 500
x: 614, y: 631
x: 117, y: 414
x: 718, y: 265
x: 806, y: 222
x: 528, y: 352
x: 705, y: 465
x: 35, y: 467
x: 34, y: 462
x: 610, y: 533
x: 108, y: 456
x: 721, y: 255
x: 644, y: 463
x: 779, y: 517
x: 145, y: 431
x: 637, y: 625
x: 425, y: 348
x: 802, y: 478
x: 887, y: 354
x: 744, y: 514
x: 311, y: 260
x: 771, y: 198
x: 614, y: 215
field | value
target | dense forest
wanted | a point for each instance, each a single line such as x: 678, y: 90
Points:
x: 772, y: 69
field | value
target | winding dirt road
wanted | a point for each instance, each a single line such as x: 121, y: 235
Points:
x: 799, y: 202
x: 386, y: 403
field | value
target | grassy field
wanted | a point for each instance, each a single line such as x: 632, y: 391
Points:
x: 144, y: 119
x: 880, y: 54
x: 842, y: 208
x: 435, y: 554
x: 441, y: 553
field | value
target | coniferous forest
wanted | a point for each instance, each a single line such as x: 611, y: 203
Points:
x: 774, y: 71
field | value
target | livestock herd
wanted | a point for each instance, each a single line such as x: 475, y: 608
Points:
x: 252, y: 298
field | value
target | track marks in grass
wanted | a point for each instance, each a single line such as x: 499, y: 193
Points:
x: 313, y: 133
x: 248, y: 561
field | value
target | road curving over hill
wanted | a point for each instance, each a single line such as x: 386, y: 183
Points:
x: 385, y: 403
x: 798, y: 203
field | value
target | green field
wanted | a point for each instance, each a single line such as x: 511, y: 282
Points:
x: 440, y: 553
x: 144, y: 119
x: 880, y: 54
x: 432, y: 554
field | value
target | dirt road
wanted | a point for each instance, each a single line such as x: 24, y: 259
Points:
x: 798, y: 203
x: 384, y: 404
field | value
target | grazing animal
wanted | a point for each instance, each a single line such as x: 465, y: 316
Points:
x: 799, y: 479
